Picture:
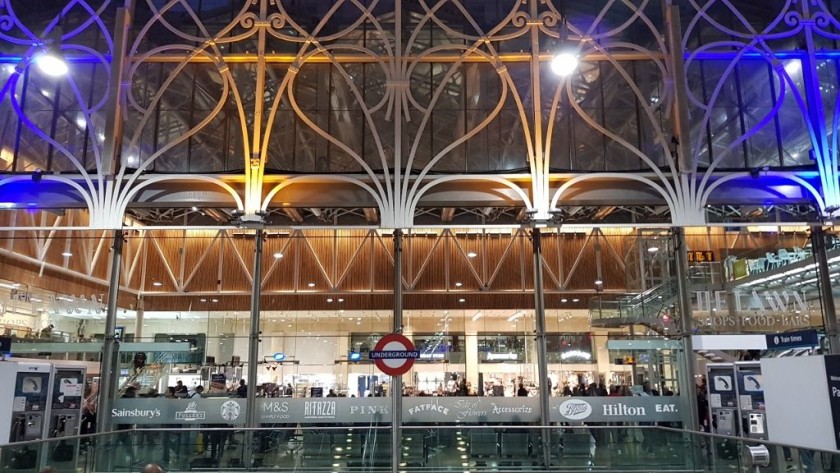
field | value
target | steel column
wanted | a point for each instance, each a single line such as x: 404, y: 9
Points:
x: 826, y: 295
x: 252, y: 414
x: 254, y: 336
x: 688, y: 386
x: 396, y: 381
x: 542, y: 358
x: 113, y: 126
x: 109, y: 366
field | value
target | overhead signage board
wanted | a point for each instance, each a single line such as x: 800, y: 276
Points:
x: 800, y: 339
x: 394, y: 354
x: 192, y: 411
x: 324, y: 410
x: 471, y: 410
x: 617, y: 409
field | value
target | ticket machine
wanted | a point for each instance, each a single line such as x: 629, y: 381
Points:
x: 30, y: 406
x: 750, y: 387
x: 66, y: 401
x: 723, y: 398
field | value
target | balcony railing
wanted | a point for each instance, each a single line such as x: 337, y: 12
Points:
x: 422, y: 448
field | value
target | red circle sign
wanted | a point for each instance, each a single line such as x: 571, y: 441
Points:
x: 394, y: 366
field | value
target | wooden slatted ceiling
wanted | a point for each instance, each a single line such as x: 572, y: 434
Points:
x: 351, y: 262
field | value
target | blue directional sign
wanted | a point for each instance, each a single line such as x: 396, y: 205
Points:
x: 800, y: 339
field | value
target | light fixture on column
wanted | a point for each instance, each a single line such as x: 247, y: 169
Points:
x: 565, y: 62
x: 51, y: 62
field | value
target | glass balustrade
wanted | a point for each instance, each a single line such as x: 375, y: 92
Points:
x: 422, y: 448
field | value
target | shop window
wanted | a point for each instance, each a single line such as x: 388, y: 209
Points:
x: 501, y: 348
x: 569, y: 348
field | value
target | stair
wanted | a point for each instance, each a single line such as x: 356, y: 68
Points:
x: 646, y: 308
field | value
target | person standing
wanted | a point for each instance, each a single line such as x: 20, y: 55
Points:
x: 242, y: 390
x: 522, y: 391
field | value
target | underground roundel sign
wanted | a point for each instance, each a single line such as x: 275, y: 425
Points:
x: 394, y: 354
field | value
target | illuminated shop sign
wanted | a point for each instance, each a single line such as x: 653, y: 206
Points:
x: 432, y: 356
x: 575, y: 355
x: 701, y: 256
x: 502, y: 357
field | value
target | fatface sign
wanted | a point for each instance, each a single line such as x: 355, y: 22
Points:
x: 470, y: 409
x: 192, y: 411
x: 616, y: 409
x: 324, y: 410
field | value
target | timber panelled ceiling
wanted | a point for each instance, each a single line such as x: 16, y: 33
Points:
x: 302, y: 269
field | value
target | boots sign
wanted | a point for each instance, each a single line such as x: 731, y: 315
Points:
x: 616, y: 409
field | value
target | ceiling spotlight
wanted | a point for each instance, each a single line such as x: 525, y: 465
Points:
x: 472, y: 254
x: 564, y: 300
x: 575, y: 300
x: 598, y: 282
x: 564, y: 64
x: 312, y: 284
x: 214, y: 300
x: 329, y: 300
x: 52, y: 63
x: 653, y: 249
x: 67, y: 254
x: 459, y: 284
x: 157, y: 284
x: 462, y: 300
x: 340, y: 300
x: 203, y: 300
x: 278, y: 255
x: 194, y: 208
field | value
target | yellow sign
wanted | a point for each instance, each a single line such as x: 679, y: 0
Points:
x: 701, y: 256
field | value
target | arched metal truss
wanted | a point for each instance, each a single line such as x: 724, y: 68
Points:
x: 397, y: 111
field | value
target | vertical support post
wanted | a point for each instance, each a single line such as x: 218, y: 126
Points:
x: 396, y: 381
x: 113, y: 126
x: 139, y: 318
x: 688, y: 388
x: 109, y: 369
x: 828, y: 309
x: 542, y: 358
x: 254, y: 335
x: 252, y: 413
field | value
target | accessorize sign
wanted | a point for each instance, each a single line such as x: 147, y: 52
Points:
x: 324, y: 410
x: 191, y: 411
x: 470, y: 409
x: 617, y: 409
